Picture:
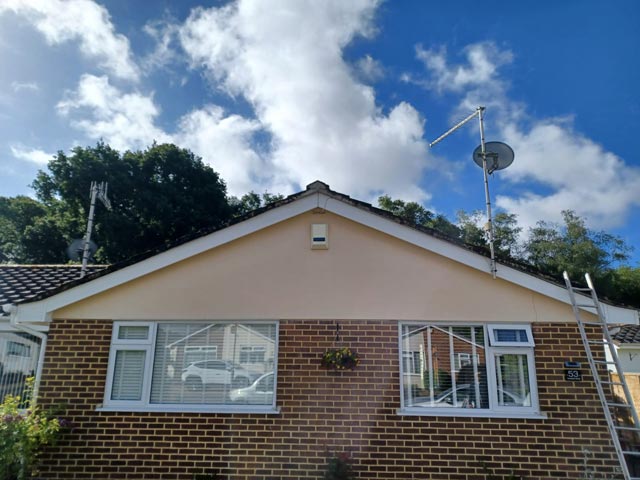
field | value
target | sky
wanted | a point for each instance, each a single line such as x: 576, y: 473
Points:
x: 277, y: 94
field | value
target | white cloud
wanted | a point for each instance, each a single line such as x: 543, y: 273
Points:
x: 163, y: 33
x: 224, y: 142
x: 32, y: 155
x: 285, y: 58
x: 25, y: 86
x: 370, y: 68
x: 572, y: 171
x: 125, y: 121
x: 83, y: 20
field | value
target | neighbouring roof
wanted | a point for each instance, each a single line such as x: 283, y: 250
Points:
x: 626, y: 334
x: 24, y: 282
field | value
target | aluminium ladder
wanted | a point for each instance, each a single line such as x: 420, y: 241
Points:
x: 600, y: 367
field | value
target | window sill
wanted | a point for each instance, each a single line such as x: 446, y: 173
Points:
x: 256, y: 409
x: 468, y: 412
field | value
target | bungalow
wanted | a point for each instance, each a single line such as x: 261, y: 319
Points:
x: 204, y: 359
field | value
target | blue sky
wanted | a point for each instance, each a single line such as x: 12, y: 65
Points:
x: 280, y: 93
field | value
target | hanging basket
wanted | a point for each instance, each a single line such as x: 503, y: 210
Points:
x: 340, y: 359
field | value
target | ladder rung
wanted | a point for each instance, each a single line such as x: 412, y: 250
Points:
x: 581, y: 289
x: 627, y: 452
x: 611, y: 383
x: 618, y: 427
x: 593, y: 323
x: 587, y: 305
x: 598, y: 342
x: 604, y: 362
x: 621, y: 405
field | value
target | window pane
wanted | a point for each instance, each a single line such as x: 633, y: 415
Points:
x: 133, y: 332
x: 216, y: 363
x: 512, y: 372
x: 444, y: 367
x: 128, y: 375
x: 510, y: 335
x: 18, y: 360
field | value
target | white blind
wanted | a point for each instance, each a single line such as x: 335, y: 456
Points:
x: 133, y: 332
x: 128, y: 375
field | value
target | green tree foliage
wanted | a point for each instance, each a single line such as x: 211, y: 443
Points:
x: 415, y: 213
x: 158, y: 195
x: 573, y: 247
x: 550, y: 248
x: 252, y: 201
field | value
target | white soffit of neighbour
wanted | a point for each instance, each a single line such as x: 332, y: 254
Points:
x: 41, y: 310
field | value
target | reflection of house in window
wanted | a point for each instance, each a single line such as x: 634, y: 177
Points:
x: 463, y: 360
x: 412, y: 362
x: 18, y: 349
x: 252, y: 354
x: 200, y: 353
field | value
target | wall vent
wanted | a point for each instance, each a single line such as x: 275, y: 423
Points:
x: 319, y: 236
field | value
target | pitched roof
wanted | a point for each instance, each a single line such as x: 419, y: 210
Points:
x: 626, y: 334
x: 317, y: 195
x: 19, y: 283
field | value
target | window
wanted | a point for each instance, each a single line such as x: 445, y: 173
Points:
x: 468, y: 369
x: 176, y: 366
x: 252, y: 354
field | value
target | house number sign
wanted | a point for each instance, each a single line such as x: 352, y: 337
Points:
x: 572, y: 371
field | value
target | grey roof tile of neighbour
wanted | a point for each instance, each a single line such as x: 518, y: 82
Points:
x: 19, y: 283
x: 627, y: 334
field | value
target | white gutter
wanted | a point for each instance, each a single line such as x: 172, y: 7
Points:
x: 13, y: 310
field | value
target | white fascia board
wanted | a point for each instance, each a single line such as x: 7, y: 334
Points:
x: 471, y: 259
x: 40, y: 311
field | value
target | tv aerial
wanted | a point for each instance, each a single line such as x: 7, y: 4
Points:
x: 490, y: 156
x: 98, y: 191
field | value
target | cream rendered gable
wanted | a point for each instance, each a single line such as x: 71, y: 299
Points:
x: 365, y: 274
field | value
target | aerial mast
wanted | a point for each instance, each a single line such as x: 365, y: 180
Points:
x: 490, y: 156
x: 98, y: 191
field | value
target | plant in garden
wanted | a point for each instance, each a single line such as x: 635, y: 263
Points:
x: 24, y: 431
x: 340, y: 359
x: 339, y: 467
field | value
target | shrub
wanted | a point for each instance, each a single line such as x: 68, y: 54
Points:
x: 24, y: 431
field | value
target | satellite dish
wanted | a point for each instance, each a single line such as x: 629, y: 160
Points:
x: 499, y: 156
x: 74, y: 251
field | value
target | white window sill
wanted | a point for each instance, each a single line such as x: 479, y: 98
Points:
x: 468, y: 412
x: 268, y: 410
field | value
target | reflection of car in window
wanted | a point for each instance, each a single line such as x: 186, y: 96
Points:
x: 465, y: 398
x: 259, y: 392
x: 222, y: 372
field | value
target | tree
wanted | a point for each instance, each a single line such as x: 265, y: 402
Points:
x: 573, y: 247
x: 415, y: 213
x: 252, y: 201
x: 158, y: 195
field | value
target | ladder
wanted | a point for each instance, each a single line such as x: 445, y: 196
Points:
x: 600, y: 367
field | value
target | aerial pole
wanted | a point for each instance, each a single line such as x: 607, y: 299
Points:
x: 98, y: 191
x: 500, y: 156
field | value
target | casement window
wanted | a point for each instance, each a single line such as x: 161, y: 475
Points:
x: 192, y: 366
x: 468, y: 370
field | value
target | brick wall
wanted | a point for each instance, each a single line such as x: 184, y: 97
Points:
x: 340, y: 411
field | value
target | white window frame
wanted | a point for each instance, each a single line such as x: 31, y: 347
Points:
x: 491, y: 352
x: 118, y: 344
x: 492, y: 328
x: 148, y: 345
